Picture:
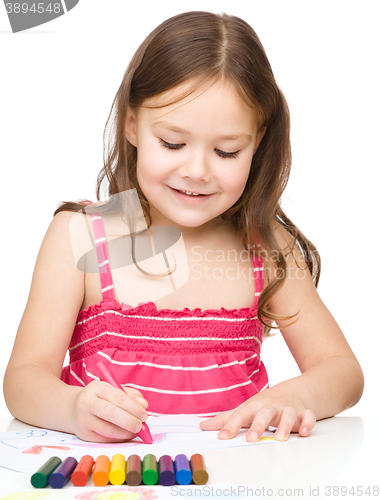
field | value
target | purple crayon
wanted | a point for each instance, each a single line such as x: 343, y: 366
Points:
x: 167, y: 476
x: 63, y: 472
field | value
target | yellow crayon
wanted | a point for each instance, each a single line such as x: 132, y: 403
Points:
x: 118, y: 469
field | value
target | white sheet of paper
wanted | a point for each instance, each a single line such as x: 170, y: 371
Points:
x: 27, y: 450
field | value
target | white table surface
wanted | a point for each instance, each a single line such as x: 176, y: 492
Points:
x: 340, y: 452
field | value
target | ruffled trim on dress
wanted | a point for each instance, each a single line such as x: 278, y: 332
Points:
x: 143, y: 327
x: 150, y: 309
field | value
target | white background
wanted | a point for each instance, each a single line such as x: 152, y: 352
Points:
x: 57, y: 85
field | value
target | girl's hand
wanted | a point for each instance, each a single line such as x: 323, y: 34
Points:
x: 102, y: 413
x: 258, y: 413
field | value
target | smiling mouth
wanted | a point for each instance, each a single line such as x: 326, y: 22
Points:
x: 191, y: 193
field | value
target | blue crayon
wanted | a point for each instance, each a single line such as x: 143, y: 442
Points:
x: 183, y: 470
x: 167, y: 476
x: 63, y: 472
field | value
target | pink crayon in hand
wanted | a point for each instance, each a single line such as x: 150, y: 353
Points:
x: 105, y: 375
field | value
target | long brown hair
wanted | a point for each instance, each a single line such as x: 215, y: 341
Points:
x: 198, y: 47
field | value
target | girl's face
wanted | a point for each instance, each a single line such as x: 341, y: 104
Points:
x: 201, y: 144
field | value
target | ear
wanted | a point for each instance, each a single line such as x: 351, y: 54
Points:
x: 259, y: 137
x: 130, y: 126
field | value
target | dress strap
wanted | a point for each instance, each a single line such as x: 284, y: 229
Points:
x: 103, y: 260
x: 259, y: 272
x: 259, y: 277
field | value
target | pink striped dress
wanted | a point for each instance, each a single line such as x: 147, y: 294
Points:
x: 198, y: 362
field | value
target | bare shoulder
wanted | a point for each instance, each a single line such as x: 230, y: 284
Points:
x: 312, y: 334
x: 56, y: 277
x: 55, y: 297
x: 290, y: 251
x: 58, y: 246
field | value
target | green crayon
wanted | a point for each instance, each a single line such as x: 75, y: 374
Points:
x: 40, y: 478
x: 150, y: 474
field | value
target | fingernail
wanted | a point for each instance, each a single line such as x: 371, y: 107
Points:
x: 223, y: 435
x: 138, y: 427
x: 144, y: 417
x: 280, y: 435
x: 304, y: 430
x: 254, y: 436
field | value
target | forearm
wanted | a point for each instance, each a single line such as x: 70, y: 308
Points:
x: 328, y: 388
x: 37, y: 397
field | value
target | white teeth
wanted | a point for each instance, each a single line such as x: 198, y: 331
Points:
x: 188, y: 192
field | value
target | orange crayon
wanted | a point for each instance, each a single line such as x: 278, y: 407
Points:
x: 82, y: 471
x: 101, y: 471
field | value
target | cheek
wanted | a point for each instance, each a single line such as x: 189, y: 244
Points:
x: 236, y: 178
x: 151, y: 167
x: 146, y: 158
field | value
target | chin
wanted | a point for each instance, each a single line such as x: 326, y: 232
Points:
x: 189, y: 224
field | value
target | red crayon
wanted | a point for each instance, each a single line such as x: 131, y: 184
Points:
x: 82, y: 471
x: 104, y: 374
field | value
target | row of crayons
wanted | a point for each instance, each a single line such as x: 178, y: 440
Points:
x: 118, y: 471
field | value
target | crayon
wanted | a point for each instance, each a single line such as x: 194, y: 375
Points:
x: 183, y: 471
x: 62, y: 474
x: 101, y: 471
x: 82, y: 471
x: 167, y: 476
x: 101, y: 369
x: 117, y: 474
x: 150, y: 475
x: 134, y: 470
x: 199, y: 473
x: 40, y: 478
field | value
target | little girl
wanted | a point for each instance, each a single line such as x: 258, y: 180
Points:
x: 202, y: 135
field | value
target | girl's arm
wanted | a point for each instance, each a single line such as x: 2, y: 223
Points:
x: 331, y: 380
x: 33, y: 390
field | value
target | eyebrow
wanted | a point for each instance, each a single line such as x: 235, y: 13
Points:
x: 174, y: 128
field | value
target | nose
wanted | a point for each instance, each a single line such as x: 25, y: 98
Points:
x: 196, y: 168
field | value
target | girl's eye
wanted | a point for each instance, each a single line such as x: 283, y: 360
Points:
x: 173, y: 147
x: 169, y: 145
x: 224, y: 154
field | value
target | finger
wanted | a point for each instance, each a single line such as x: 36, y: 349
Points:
x: 133, y: 392
x: 119, y: 400
x: 215, y: 423
x: 137, y: 396
x: 144, y: 403
x: 307, y: 423
x: 111, y: 413
x: 102, y: 431
x: 265, y: 415
x: 237, y: 419
x: 287, y: 421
